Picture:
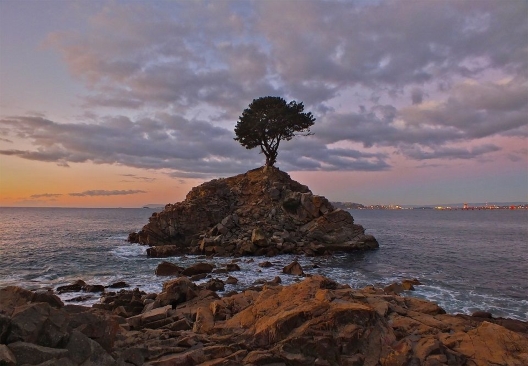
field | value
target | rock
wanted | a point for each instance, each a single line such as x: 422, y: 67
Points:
x: 231, y: 280
x: 258, y: 238
x: 133, y: 237
x: 38, y: 323
x: 231, y: 267
x: 81, y: 298
x: 85, y: 351
x: 168, y: 269
x: 265, y: 264
x: 32, y: 354
x: 293, y: 268
x: 155, y: 314
x: 93, y: 288
x: 49, y: 297
x: 162, y: 251
x: 312, y: 322
x: 12, y: 297
x: 204, y: 320
x: 482, y: 314
x: 7, y: 357
x: 236, y: 216
x: 177, y: 291
x: 197, y: 268
x: 198, y: 277
x: 214, y: 285
x: 120, y: 284
x: 77, y: 286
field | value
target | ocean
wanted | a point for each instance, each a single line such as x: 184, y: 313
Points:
x: 465, y: 260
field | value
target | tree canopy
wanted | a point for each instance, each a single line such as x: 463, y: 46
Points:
x: 269, y: 120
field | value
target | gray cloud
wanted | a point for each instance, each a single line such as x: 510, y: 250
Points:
x: 184, y: 72
x: 184, y: 53
x: 417, y: 96
x: 419, y: 153
x: 45, y: 195
x: 93, y: 193
x: 139, y: 178
x: 188, y: 149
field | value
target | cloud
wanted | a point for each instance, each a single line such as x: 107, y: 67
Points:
x: 187, y: 148
x: 94, y: 193
x: 387, y: 77
x: 45, y: 195
x: 179, y: 54
x: 135, y: 177
x: 418, y: 153
x: 417, y: 96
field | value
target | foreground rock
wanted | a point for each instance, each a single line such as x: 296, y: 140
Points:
x: 314, y: 322
x: 261, y: 212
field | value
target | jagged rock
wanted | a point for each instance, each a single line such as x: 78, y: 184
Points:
x: 261, y: 212
x: 313, y: 322
x: 293, y: 268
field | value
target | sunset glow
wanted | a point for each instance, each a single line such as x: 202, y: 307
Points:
x: 125, y: 104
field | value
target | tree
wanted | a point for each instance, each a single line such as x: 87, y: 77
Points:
x: 269, y: 120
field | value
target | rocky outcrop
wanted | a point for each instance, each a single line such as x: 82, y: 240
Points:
x: 261, y: 212
x: 313, y: 322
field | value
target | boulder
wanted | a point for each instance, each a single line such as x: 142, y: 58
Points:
x: 258, y: 238
x: 231, y: 267
x: 38, y: 323
x: 198, y: 268
x: 293, y: 268
x: 168, y: 269
x: 85, y: 351
x: 32, y: 354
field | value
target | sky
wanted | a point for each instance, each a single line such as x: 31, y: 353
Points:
x: 129, y: 103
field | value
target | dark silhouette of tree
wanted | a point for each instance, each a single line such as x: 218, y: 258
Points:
x: 269, y: 120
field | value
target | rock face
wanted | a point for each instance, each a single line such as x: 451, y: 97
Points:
x: 261, y: 212
x: 313, y: 322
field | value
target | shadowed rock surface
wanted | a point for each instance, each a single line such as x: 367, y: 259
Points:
x: 261, y: 212
x: 313, y: 322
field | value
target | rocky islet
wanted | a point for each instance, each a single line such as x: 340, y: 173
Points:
x: 260, y: 212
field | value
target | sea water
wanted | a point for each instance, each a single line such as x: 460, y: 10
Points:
x: 465, y: 260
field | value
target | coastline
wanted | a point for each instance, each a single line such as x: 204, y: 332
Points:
x: 313, y: 322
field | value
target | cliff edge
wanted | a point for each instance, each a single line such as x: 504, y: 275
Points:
x: 260, y: 212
